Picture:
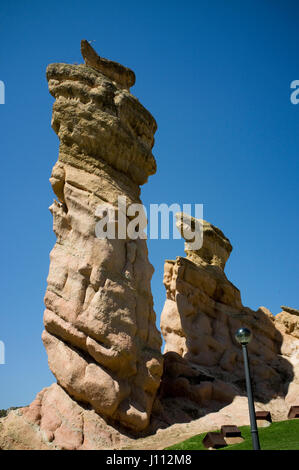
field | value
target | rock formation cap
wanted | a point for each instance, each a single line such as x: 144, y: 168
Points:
x: 98, y: 120
x: 216, y: 247
x: 123, y: 76
x: 293, y: 311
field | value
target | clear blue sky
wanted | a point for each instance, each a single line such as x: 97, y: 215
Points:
x: 216, y: 76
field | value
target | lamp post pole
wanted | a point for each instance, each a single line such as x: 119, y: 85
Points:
x: 243, y: 336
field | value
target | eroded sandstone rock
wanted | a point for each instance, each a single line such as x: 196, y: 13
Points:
x: 100, y: 334
x: 202, y: 312
x: 293, y: 311
x: 54, y: 421
x: 215, y: 248
x: 124, y: 77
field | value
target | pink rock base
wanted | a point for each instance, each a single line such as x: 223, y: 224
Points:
x: 54, y: 421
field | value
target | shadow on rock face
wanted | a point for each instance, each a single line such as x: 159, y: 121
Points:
x: 188, y: 392
x: 192, y: 387
x: 203, y: 362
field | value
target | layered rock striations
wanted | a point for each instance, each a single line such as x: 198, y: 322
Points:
x: 100, y: 334
x: 202, y: 312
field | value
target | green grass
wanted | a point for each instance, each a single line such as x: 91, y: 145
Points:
x: 283, y: 435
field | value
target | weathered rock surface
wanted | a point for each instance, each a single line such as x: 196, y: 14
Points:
x: 124, y: 77
x: 202, y: 312
x: 293, y: 311
x: 200, y: 391
x: 54, y: 421
x: 215, y: 248
x: 100, y: 333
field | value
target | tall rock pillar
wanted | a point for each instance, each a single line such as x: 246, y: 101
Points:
x: 100, y: 334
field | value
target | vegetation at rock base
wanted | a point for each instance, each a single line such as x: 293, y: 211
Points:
x: 4, y: 413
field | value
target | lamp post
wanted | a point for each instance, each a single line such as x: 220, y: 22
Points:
x: 244, y: 336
